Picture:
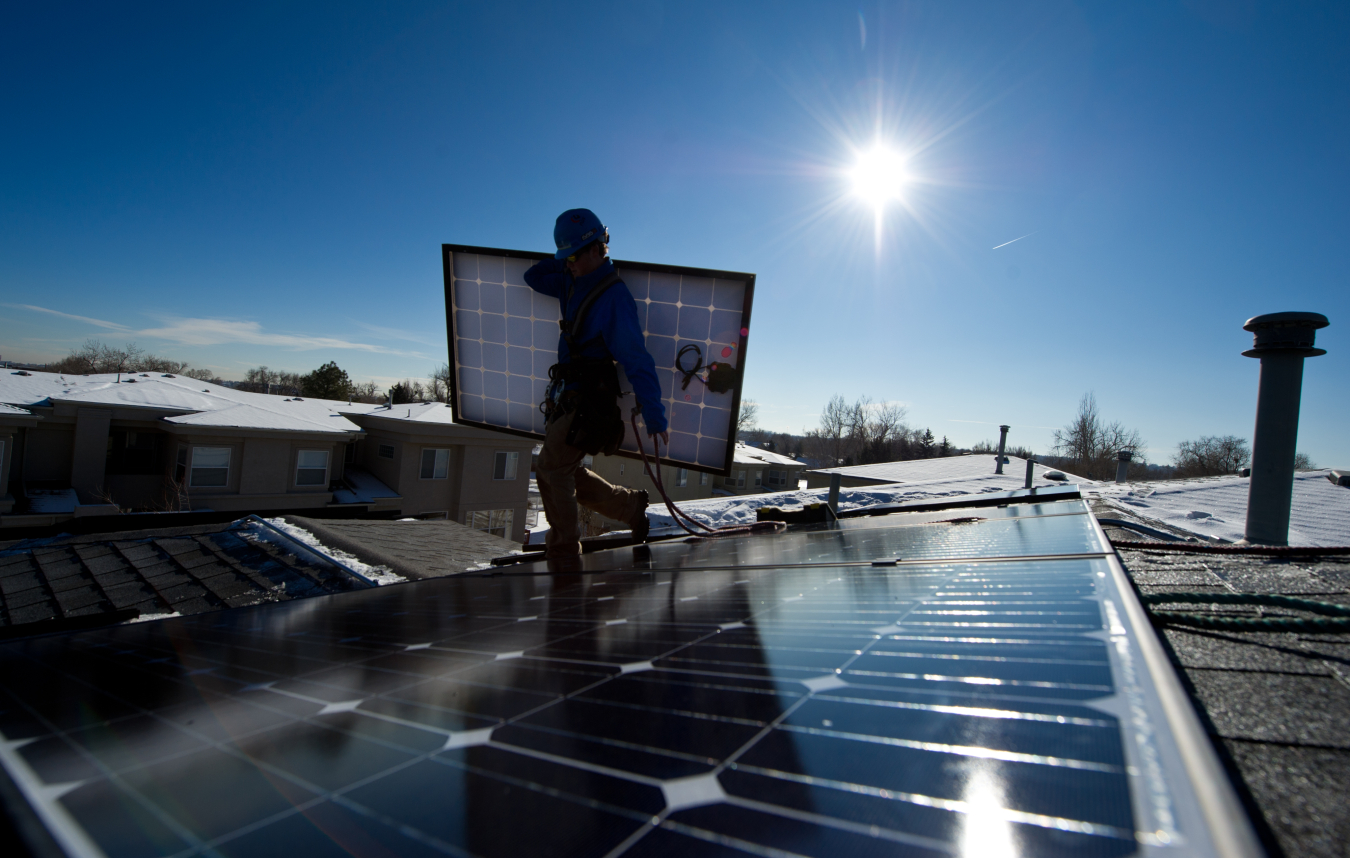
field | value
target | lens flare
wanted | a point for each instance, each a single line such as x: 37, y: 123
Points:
x: 879, y: 176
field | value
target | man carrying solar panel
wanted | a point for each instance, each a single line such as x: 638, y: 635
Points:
x: 599, y: 326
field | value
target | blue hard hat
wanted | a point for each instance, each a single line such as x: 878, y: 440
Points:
x: 575, y: 229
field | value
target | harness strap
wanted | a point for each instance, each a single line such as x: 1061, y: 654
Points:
x: 568, y: 328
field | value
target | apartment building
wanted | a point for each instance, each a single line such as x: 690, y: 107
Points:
x: 72, y: 446
x: 755, y: 471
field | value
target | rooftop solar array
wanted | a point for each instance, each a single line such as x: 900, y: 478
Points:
x: 504, y: 337
x: 926, y: 684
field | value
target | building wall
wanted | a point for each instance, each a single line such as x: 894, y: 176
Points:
x: 477, y: 490
x: 627, y: 472
x: 47, y: 454
x: 7, y: 436
x: 761, y: 472
x: 90, y: 452
x: 468, y: 485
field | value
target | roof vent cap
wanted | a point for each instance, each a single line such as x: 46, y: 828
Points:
x: 1054, y: 475
x: 1286, y: 332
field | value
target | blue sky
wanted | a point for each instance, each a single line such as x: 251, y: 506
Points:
x: 270, y: 185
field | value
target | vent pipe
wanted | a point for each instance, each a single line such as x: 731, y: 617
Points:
x: 1031, y: 470
x: 1002, y: 442
x: 1123, y: 465
x: 1282, y: 341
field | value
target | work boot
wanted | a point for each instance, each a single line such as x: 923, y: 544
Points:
x: 638, y: 523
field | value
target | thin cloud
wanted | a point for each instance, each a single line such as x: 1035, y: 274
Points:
x: 1019, y: 238
x: 397, y: 334
x: 112, y: 326
x: 214, y: 332
x: 987, y: 423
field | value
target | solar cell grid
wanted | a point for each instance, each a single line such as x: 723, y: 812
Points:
x: 952, y: 706
x: 504, y: 338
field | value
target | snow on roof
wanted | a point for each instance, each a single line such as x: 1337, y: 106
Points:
x: 11, y: 410
x: 1217, y: 506
x: 740, y: 509
x: 159, y: 393
x: 417, y: 412
x: 365, y: 488
x: 747, y: 455
x: 50, y: 501
x: 945, y: 468
x: 21, y: 387
x: 246, y: 416
x: 201, y: 402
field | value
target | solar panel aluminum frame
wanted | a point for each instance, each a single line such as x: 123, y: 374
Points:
x: 1226, y: 820
x: 447, y: 260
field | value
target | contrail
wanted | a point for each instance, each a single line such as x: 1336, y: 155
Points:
x: 1019, y: 238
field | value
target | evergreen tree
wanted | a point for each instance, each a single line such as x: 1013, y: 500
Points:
x: 926, y: 444
x: 945, y: 448
x: 327, y: 382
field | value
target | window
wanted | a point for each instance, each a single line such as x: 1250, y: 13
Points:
x: 494, y: 521
x: 435, y: 464
x: 385, y: 451
x: 702, y: 479
x: 504, y: 468
x: 210, y: 467
x: 311, y: 468
x: 736, y: 478
x: 132, y: 452
x: 759, y: 475
x: 681, y: 477
x: 621, y: 469
x: 778, y: 478
x: 586, y: 462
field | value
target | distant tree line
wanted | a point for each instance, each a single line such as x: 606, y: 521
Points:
x: 328, y: 381
x: 1089, y: 444
x: 857, y: 433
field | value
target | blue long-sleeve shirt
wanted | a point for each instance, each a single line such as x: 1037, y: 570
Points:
x: 613, y: 317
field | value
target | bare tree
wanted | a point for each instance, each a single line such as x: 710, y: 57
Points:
x: 202, y: 375
x: 748, y: 419
x: 860, y: 433
x: 1212, y: 455
x: 828, y: 442
x: 367, y: 391
x: 1304, y: 462
x: 881, y: 426
x: 1092, y: 443
x: 439, y: 387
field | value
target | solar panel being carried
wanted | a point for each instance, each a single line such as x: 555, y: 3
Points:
x: 976, y: 683
x: 504, y: 338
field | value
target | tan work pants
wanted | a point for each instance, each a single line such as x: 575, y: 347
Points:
x: 563, y: 483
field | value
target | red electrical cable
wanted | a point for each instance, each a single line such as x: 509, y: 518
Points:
x: 679, y: 515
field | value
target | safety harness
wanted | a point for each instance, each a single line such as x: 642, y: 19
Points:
x: 597, y: 426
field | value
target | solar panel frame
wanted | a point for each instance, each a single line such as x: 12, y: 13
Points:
x: 696, y: 462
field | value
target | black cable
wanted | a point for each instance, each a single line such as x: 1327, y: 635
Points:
x: 690, y: 374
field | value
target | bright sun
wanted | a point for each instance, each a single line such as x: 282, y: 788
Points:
x: 879, y: 176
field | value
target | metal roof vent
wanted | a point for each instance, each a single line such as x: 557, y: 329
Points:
x: 1123, y: 465
x: 1281, y: 342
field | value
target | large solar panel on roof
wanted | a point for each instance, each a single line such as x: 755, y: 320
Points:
x: 902, y: 685
x: 504, y: 337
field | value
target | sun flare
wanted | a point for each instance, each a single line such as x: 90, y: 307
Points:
x: 879, y: 176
